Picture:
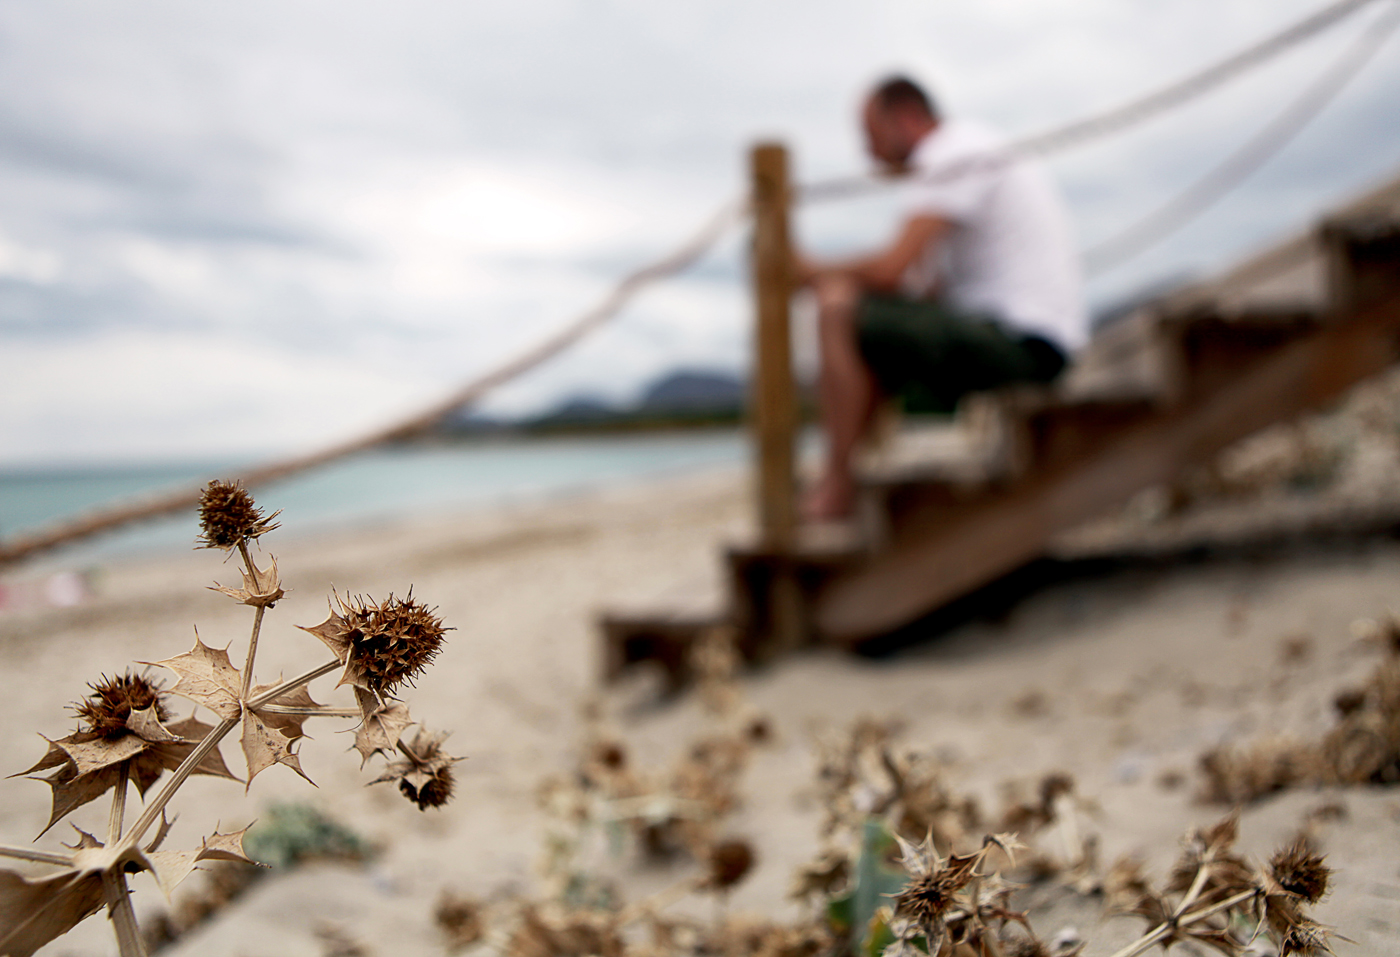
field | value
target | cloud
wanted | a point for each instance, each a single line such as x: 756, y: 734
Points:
x: 357, y: 205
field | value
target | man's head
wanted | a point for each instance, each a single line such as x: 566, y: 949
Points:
x: 897, y: 115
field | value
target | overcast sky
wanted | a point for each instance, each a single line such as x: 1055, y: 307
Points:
x: 241, y: 229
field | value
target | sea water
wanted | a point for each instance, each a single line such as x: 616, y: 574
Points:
x: 373, y: 486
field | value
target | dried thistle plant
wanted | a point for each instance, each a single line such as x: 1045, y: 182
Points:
x: 1214, y: 896
x: 1363, y: 747
x: 462, y: 920
x: 669, y: 813
x: 128, y: 736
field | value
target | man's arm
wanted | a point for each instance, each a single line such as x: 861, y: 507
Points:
x: 881, y: 271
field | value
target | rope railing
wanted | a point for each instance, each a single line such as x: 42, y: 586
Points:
x: 1118, y: 118
x: 1207, y: 190
x: 83, y: 526
x: 1081, y: 131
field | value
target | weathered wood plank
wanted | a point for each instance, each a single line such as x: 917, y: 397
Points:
x: 774, y: 407
x: 947, y: 551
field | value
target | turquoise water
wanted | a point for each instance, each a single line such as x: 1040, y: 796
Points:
x: 367, y: 488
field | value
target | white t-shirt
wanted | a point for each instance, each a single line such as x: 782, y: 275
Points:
x: 1010, y: 253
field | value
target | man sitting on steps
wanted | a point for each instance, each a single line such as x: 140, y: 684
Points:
x: 980, y: 287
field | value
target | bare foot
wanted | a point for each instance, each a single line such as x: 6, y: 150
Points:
x: 831, y: 499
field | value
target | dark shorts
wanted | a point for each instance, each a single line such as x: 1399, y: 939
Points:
x: 930, y: 356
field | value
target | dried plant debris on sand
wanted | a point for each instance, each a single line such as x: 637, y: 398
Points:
x: 1363, y: 746
x: 879, y: 888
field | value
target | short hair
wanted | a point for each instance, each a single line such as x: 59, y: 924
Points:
x: 900, y: 92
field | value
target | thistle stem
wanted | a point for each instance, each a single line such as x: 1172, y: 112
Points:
x: 38, y: 857
x: 186, y: 768
x: 660, y: 900
x: 208, y: 744
x: 1194, y: 891
x: 122, y: 914
x: 277, y: 691
x: 311, y: 712
x: 118, y: 814
x: 257, y: 622
x: 1162, y: 930
x: 258, y: 613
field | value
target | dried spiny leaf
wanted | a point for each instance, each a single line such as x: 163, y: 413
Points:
x: 105, y: 712
x: 288, y: 711
x: 207, y: 678
x: 260, y: 587
x: 170, y: 868
x: 228, y: 517
x: 381, y: 725
x: 225, y: 847
x: 264, y: 746
x: 1006, y: 843
x: 381, y: 645
x: 34, y: 911
x: 268, y: 733
x: 425, y: 771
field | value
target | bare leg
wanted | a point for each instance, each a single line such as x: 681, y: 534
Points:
x: 847, y: 392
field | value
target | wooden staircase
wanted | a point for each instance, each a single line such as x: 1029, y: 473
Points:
x: 1164, y: 389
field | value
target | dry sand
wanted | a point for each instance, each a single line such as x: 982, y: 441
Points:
x: 1121, y: 678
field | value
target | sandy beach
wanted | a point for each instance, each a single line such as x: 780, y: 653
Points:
x: 1121, y: 674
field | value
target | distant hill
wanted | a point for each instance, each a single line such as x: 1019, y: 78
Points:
x: 578, y: 410
x: 692, y: 390
x: 679, y: 399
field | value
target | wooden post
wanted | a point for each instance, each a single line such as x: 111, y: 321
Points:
x: 774, y: 406
x: 774, y: 397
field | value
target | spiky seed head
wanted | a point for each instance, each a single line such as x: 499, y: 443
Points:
x: 391, y: 642
x: 1299, y: 870
x: 1348, y: 701
x: 106, y: 710
x: 1026, y: 947
x: 926, y: 899
x: 730, y: 862
x: 610, y: 754
x: 1306, y: 939
x: 228, y: 517
x: 425, y: 771
x: 759, y: 730
x: 933, y: 884
x: 434, y: 792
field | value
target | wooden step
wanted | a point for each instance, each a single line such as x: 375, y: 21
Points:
x: 1089, y: 460
x: 660, y: 636
x: 1208, y: 368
